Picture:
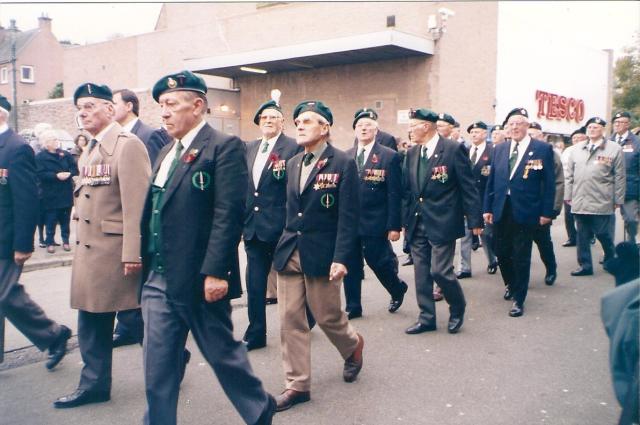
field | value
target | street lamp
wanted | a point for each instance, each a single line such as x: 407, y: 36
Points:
x: 14, y: 32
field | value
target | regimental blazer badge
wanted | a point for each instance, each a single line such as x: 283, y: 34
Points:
x: 375, y: 176
x: 191, y: 156
x: 327, y: 200
x: 440, y: 174
x: 201, y: 180
x: 96, y: 175
x: 532, y: 164
x: 4, y: 176
x: 326, y: 181
x: 278, y: 166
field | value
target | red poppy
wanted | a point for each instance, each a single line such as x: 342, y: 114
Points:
x: 321, y: 163
x: 191, y: 156
x: 374, y: 159
x: 273, y: 158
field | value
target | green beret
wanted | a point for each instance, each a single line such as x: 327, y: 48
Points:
x: 477, y: 124
x: 266, y: 105
x: 580, y: 130
x: 535, y: 125
x: 446, y: 118
x: 364, y: 113
x: 596, y: 120
x: 497, y: 127
x: 4, y: 104
x: 423, y: 114
x: 517, y: 111
x: 314, y: 106
x: 182, y: 81
x: 456, y: 124
x: 623, y: 114
x: 92, y: 90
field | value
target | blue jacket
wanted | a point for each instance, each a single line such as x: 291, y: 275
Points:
x: 532, y: 191
x: 265, y: 213
x: 380, y: 191
x: 18, y: 195
x: 56, y: 193
x: 154, y: 139
x: 482, y: 168
x: 631, y: 150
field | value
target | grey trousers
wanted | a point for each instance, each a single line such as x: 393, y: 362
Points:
x: 487, y: 246
x: 95, y: 339
x: 166, y: 325
x: 434, y: 262
x: 22, y: 311
x: 600, y: 226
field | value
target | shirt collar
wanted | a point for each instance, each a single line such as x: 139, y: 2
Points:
x: 624, y: 136
x: 188, y: 138
x: 318, y: 151
x: 129, y: 126
x: 431, y: 144
x: 104, y: 131
x: 272, y: 140
x: 367, y: 148
x: 3, y: 128
x: 522, y: 143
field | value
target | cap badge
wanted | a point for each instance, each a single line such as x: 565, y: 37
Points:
x: 89, y: 88
x: 171, y: 83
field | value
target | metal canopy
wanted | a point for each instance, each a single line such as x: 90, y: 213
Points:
x: 377, y: 46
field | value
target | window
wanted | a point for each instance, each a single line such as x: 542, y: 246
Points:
x: 26, y: 74
x: 4, y: 75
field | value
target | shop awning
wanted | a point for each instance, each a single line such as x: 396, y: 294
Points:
x: 370, y: 47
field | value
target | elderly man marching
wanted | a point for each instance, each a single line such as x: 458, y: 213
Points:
x: 317, y: 243
x: 114, y: 175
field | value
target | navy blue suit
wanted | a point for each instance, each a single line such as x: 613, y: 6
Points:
x: 265, y: 216
x: 380, y: 206
x: 517, y: 204
x: 154, y: 139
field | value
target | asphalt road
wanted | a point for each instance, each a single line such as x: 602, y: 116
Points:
x: 548, y: 367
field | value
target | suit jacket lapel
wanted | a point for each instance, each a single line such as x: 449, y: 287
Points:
x: 161, y: 156
x: 296, y: 166
x: 434, y: 161
x: 4, y: 137
x: 369, y: 162
x: 327, y: 154
x: 525, y: 158
x: 277, y: 150
x: 251, y: 158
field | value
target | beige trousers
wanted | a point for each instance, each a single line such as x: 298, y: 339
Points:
x: 272, y: 286
x: 323, y: 298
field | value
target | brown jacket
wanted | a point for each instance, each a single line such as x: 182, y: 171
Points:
x: 109, y: 197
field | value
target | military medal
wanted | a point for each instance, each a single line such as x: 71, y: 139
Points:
x: 201, y: 180
x: 327, y: 200
x: 96, y: 175
x: 326, y: 181
x: 375, y: 176
x: 440, y: 174
x: 4, y: 176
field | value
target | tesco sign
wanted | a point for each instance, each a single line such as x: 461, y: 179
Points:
x: 555, y: 107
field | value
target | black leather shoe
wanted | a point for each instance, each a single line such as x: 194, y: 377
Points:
x: 290, y: 398
x: 270, y: 301
x: 507, y: 294
x: 353, y: 364
x: 582, y: 272
x: 395, y: 304
x: 517, y: 310
x: 492, y: 268
x: 463, y: 275
x: 121, y: 341
x: 254, y: 344
x: 408, y: 261
x: 267, y: 415
x: 550, y: 278
x: 186, y: 357
x: 475, y: 242
x: 58, y: 349
x: 455, y: 323
x: 418, y: 328
x: 569, y: 243
x: 354, y: 314
x: 80, y: 398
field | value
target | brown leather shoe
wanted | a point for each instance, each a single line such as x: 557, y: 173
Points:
x: 353, y: 364
x: 289, y: 398
x: 51, y: 249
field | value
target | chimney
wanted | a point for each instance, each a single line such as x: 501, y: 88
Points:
x: 44, y: 23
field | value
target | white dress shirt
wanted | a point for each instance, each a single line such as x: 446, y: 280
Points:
x: 523, y: 145
x: 261, y: 159
x: 480, y: 150
x: 3, y: 128
x: 367, y: 151
x: 129, y: 126
x: 163, y: 171
x: 430, y: 146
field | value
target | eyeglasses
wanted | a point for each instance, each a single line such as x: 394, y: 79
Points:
x: 89, y: 106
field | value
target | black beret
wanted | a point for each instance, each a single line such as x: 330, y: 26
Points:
x: 364, y: 113
x: 517, y: 111
x: 535, y: 125
x: 580, y: 130
x: 92, y: 90
x: 622, y: 114
x: 596, y: 120
x: 4, y: 103
x: 477, y: 124
x: 447, y: 118
x: 497, y: 127
x: 266, y: 105
x: 456, y: 124
x: 182, y: 81
x: 314, y: 106
x: 423, y: 114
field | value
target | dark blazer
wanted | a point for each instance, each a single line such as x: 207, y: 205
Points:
x: 384, y: 139
x: 154, y: 139
x: 380, y: 195
x: 56, y: 193
x: 265, y: 213
x: 320, y: 221
x: 531, y: 197
x: 631, y: 150
x: 482, y: 168
x: 441, y: 205
x: 18, y: 195
x: 201, y: 227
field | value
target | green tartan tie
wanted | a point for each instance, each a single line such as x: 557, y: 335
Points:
x: 307, y: 158
x: 176, y: 161
x: 422, y: 167
x: 513, y: 158
x: 360, y: 159
x: 474, y: 155
x: 265, y: 146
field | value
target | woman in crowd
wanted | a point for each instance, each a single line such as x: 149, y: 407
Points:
x: 80, y: 143
x: 56, y: 168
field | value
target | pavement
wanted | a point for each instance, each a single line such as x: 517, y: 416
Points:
x: 548, y: 367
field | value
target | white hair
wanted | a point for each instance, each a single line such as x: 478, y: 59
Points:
x: 47, y: 135
x: 40, y: 128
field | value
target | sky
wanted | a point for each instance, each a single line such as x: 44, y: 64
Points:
x: 598, y: 24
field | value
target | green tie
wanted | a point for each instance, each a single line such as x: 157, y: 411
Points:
x: 176, y: 160
x: 474, y: 155
x: 513, y: 158
x: 265, y: 147
x: 422, y: 167
x: 360, y: 159
x: 308, y: 157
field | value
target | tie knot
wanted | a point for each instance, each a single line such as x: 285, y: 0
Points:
x: 423, y: 152
x: 308, y: 157
x: 179, y: 146
x: 265, y: 146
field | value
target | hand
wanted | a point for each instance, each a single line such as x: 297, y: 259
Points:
x: 393, y: 235
x: 477, y: 231
x: 488, y: 218
x: 63, y: 175
x: 132, y: 268
x: 337, y: 272
x: 21, y: 257
x: 618, y: 206
x: 215, y: 289
x: 544, y: 221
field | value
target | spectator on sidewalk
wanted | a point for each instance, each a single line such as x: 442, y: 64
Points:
x: 80, y: 143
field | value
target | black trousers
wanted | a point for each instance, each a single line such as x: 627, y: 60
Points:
x: 379, y: 255
x: 259, y: 261
x: 129, y: 324
x: 570, y: 224
x: 96, y: 348
x: 542, y: 238
x: 513, y: 243
x: 53, y: 217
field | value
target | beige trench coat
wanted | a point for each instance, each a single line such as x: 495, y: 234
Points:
x: 108, y: 224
